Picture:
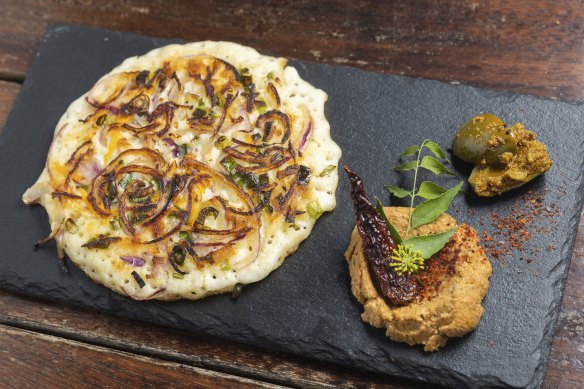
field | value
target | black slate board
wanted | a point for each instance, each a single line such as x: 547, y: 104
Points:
x: 306, y: 306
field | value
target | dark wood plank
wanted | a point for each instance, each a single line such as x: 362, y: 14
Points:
x: 182, y: 347
x: 526, y: 46
x: 530, y: 47
x: 8, y: 92
x: 32, y: 360
x: 566, y: 367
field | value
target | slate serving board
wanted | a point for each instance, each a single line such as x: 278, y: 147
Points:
x: 306, y: 307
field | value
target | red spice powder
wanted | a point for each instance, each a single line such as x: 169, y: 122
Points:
x: 512, y: 232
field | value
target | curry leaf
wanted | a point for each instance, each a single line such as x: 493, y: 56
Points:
x: 430, y: 210
x: 430, y: 190
x: 392, y: 231
x: 435, y: 166
x: 411, y: 165
x: 435, y: 149
x: 429, y: 245
x: 397, y: 191
x: 410, y: 150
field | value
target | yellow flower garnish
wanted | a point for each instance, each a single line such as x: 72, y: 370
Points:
x: 405, y: 260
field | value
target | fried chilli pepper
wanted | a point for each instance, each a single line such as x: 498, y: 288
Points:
x: 378, y: 244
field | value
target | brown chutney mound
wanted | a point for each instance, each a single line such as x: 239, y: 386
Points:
x: 454, y: 282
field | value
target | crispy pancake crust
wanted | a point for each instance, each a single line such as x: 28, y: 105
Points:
x: 193, y: 95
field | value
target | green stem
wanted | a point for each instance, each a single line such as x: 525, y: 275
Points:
x: 413, y: 195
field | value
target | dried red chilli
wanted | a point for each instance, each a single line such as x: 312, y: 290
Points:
x: 378, y: 246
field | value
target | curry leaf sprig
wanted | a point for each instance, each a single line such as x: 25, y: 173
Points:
x: 411, y: 252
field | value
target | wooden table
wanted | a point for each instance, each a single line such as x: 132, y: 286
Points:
x: 534, y: 47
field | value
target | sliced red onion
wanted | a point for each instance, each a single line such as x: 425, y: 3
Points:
x: 110, y: 108
x: 91, y: 169
x: 305, y: 136
x: 134, y: 261
x: 175, y: 148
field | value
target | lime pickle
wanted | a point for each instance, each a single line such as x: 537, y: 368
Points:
x: 484, y: 138
x: 504, y: 157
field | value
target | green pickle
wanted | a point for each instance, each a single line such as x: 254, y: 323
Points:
x: 484, y: 139
x: 504, y: 157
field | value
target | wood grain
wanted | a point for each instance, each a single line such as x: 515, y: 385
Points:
x: 181, y: 347
x: 526, y: 46
x: 32, y: 360
x: 8, y: 92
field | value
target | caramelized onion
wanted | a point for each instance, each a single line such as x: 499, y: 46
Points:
x: 264, y: 120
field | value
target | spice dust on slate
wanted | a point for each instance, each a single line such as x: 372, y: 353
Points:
x: 512, y: 232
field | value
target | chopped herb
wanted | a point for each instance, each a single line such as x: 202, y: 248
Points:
x: 250, y: 179
x: 178, y: 254
x: 154, y: 183
x: 222, y: 142
x: 177, y: 258
x: 101, y: 242
x: 142, y: 77
x: 229, y: 164
x: 314, y: 209
x: 184, y: 149
x: 126, y: 180
x: 246, y: 78
x: 236, y: 293
x: 303, y: 174
x: 206, y: 212
x: 226, y: 266
x: 137, y: 217
x: 199, y: 113
x: 140, y: 199
x: 186, y: 236
x: 101, y: 120
x: 270, y: 76
x: 264, y: 180
x: 138, y: 279
x: 178, y: 276
x: 115, y: 223
x: 71, y: 227
x: 275, y: 157
x: 218, y: 100
x: 327, y: 170
x: 112, y: 191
